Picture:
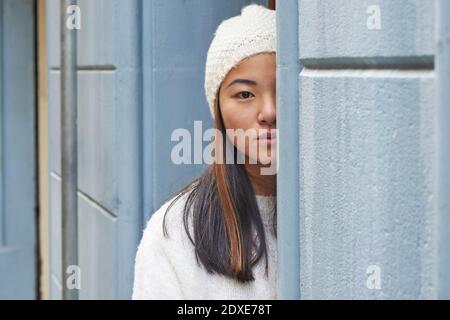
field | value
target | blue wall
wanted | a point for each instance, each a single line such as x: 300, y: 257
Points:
x: 367, y: 150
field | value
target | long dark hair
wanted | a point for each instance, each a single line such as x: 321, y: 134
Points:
x: 224, y: 210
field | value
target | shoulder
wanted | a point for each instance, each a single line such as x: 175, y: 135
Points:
x: 157, y: 263
x: 160, y: 259
x: 171, y: 211
x: 168, y: 217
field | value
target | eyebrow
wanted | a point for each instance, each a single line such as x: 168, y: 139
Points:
x: 244, y: 81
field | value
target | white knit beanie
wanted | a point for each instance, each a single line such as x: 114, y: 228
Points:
x: 252, y: 32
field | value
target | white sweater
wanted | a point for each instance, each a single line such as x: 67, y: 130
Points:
x: 166, y: 267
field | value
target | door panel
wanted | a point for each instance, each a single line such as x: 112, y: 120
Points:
x: 17, y: 151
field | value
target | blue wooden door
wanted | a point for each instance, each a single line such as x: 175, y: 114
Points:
x: 17, y: 151
x: 109, y: 157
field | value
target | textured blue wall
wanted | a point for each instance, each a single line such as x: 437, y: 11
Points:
x: 367, y: 150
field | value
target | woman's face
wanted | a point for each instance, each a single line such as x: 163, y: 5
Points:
x: 247, y: 100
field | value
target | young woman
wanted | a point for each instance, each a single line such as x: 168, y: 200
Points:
x: 216, y: 239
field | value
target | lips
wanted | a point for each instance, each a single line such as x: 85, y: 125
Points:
x: 267, y: 136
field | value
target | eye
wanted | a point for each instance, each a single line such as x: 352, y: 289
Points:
x: 244, y: 95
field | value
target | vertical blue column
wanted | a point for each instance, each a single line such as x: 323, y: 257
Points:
x: 288, y: 68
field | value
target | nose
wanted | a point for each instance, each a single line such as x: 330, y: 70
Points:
x: 267, y: 112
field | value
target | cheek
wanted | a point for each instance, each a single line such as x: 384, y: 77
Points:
x: 238, y: 121
x: 237, y: 117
